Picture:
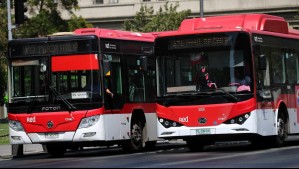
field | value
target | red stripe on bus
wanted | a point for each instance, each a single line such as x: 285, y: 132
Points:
x: 75, y: 62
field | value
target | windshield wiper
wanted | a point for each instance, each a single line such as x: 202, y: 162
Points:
x: 210, y: 91
x: 229, y: 94
x: 32, y: 104
x: 67, y: 103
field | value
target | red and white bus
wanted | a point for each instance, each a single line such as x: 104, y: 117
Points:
x: 227, y: 78
x: 57, y: 90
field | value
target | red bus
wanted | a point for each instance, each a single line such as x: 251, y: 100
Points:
x: 228, y: 78
x: 57, y: 90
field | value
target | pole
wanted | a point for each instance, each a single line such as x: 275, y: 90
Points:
x: 9, y: 26
x: 17, y: 150
x: 201, y: 8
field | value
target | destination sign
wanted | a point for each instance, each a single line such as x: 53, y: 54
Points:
x: 44, y: 48
x: 198, y: 42
x: 50, y: 48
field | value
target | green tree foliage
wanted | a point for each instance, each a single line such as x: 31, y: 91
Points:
x: 78, y: 22
x: 166, y: 19
x: 3, y: 48
x: 3, y: 80
x: 3, y: 27
x: 46, y: 18
x: 142, y: 18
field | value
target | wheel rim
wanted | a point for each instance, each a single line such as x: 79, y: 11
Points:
x: 281, y: 129
x: 136, y: 135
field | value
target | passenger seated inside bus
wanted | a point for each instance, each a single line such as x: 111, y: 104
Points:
x: 242, y: 79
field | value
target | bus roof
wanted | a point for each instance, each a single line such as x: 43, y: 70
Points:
x: 250, y: 22
x: 116, y: 34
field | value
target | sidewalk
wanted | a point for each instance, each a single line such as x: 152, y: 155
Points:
x: 5, y: 150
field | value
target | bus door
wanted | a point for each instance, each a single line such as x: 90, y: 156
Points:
x: 113, y: 82
x: 136, y: 80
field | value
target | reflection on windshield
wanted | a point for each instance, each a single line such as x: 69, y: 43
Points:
x: 70, y: 106
x: 221, y: 67
x: 30, y: 80
x: 76, y: 77
x: 77, y: 84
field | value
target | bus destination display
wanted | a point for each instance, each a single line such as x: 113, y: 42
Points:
x: 198, y: 42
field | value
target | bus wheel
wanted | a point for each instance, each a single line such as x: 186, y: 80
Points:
x: 56, y: 151
x: 136, y: 141
x: 195, y: 145
x: 281, y: 132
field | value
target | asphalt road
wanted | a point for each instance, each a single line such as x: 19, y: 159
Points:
x: 167, y: 156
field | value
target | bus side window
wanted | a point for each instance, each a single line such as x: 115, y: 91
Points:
x: 136, y: 79
x: 116, y: 80
x: 292, y: 67
x: 264, y: 73
x: 278, y: 66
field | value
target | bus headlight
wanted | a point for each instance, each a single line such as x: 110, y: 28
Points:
x: 169, y: 123
x: 239, y: 119
x: 16, y: 125
x: 89, y: 121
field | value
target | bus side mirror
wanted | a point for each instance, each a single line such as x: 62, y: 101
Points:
x: 43, y: 67
x: 143, y: 62
x: 106, y: 67
x: 262, y: 62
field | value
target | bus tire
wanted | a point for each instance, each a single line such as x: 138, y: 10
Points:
x: 279, y: 139
x: 55, y: 150
x: 135, y: 143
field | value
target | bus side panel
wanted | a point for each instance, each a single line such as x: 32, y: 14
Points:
x: 266, y: 122
x: 151, y: 126
x: 114, y: 125
x: 293, y: 124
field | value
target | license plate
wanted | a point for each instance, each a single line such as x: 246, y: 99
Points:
x: 203, y: 131
x: 51, y: 135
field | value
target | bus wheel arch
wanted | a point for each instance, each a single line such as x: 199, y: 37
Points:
x: 137, y: 131
x: 282, y: 126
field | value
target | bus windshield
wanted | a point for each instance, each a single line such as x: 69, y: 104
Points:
x: 76, y: 77
x: 29, y: 80
x: 202, y: 63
